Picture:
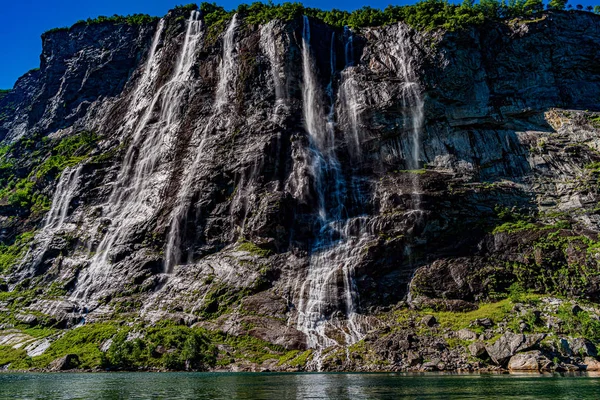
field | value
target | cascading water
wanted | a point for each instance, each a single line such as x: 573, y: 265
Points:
x: 413, y: 114
x: 327, y: 306
x: 227, y: 65
x: 55, y: 219
x: 65, y: 191
x: 334, y: 253
x: 227, y: 76
x: 348, y: 46
x: 136, y: 192
x: 269, y: 47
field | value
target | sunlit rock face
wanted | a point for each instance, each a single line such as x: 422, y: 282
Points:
x: 293, y: 180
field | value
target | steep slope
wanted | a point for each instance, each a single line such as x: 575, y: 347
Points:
x: 299, y: 183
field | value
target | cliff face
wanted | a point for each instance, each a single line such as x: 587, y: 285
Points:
x: 296, y: 182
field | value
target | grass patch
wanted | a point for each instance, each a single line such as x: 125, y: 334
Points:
x: 84, y: 341
x: 8, y: 355
x: 253, y: 249
x: 11, y: 254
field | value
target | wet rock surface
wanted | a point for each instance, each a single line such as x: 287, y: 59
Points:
x: 197, y: 200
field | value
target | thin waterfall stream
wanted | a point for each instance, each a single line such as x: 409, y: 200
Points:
x: 227, y: 75
x: 332, y: 255
x: 328, y: 300
x: 135, y: 195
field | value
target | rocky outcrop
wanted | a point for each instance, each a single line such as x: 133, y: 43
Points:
x: 510, y: 344
x: 532, y: 361
x: 70, y: 361
x: 194, y: 178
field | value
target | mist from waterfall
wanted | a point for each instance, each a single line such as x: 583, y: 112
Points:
x: 179, y: 215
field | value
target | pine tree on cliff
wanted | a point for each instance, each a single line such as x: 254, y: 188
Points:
x: 557, y: 4
x: 533, y: 6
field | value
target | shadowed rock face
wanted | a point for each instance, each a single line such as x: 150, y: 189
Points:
x: 508, y: 128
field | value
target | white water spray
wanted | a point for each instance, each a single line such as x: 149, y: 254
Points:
x: 136, y: 193
x: 413, y: 106
x: 227, y: 76
x: 335, y: 251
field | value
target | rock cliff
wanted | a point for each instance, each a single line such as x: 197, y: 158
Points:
x: 302, y: 184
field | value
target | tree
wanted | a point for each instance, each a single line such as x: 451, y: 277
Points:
x: 533, y: 6
x: 557, y: 4
x: 596, y: 9
x: 589, y: 8
x: 579, y: 7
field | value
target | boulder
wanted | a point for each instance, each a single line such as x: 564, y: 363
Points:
x: 529, y: 361
x: 70, y: 361
x: 582, y: 347
x: 466, y: 334
x: 591, y: 364
x: 510, y: 344
x: 429, y: 320
x: 477, y: 349
x: 524, y: 361
x: 28, y: 319
x: 483, y: 322
x: 576, y: 309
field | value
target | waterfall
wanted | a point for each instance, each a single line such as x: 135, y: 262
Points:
x: 65, y: 190
x: 350, y: 105
x: 335, y: 250
x: 227, y: 63
x: 227, y: 76
x: 348, y: 46
x: 269, y: 47
x: 135, y: 195
x: 413, y: 105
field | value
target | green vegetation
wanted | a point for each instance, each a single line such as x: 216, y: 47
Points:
x: 3, y: 93
x: 135, y: 19
x: 253, y: 249
x: 164, y: 346
x: 26, y: 192
x: 8, y: 355
x: 582, y: 324
x: 424, y: 15
x: 496, y: 311
x: 219, y: 300
x: 70, y: 151
x: 10, y: 254
x: 84, y: 342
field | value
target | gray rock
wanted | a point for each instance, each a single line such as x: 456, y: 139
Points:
x: 28, y: 319
x: 478, y: 349
x: 241, y: 175
x: 524, y: 361
x: 466, y: 334
x: 510, y: 344
x: 429, y: 320
x: 582, y: 347
x: 70, y: 361
x: 483, y: 322
x: 591, y: 364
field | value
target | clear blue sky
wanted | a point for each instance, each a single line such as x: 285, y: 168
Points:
x: 23, y: 21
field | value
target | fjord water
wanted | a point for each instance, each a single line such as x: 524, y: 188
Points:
x: 294, y: 386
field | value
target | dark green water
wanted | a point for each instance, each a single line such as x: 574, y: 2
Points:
x: 294, y: 386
